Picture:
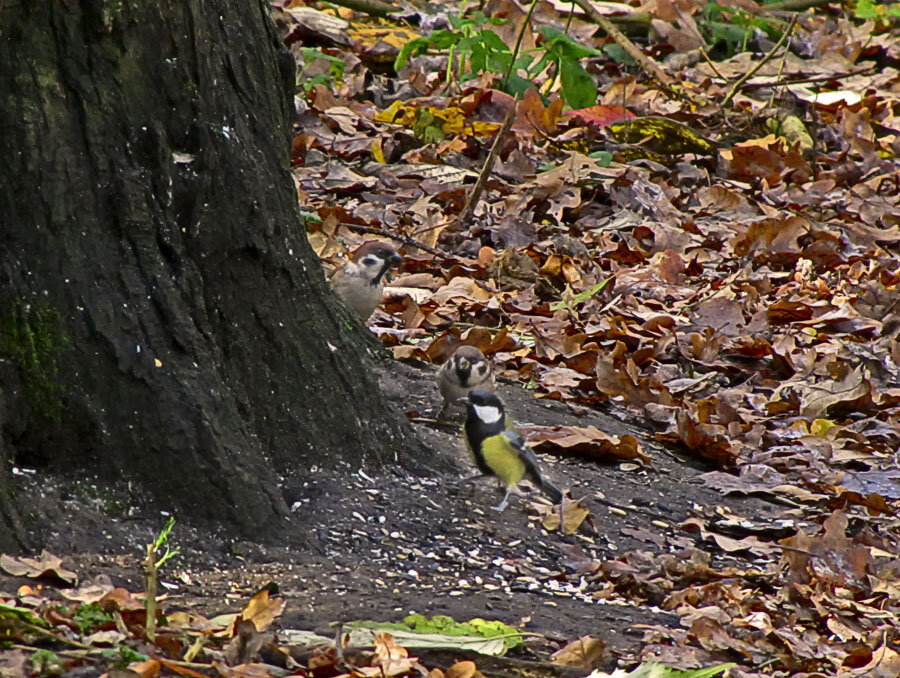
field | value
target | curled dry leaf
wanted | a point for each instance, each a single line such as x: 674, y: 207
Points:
x: 392, y: 659
x: 47, y: 565
x: 587, y: 441
x: 464, y: 669
x: 263, y: 610
x: 831, y: 557
x: 585, y: 653
x: 145, y: 669
x: 574, y: 513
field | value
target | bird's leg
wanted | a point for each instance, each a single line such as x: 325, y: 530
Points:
x: 518, y: 491
x: 502, y: 505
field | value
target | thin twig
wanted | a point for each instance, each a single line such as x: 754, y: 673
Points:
x: 54, y: 636
x: 79, y: 654
x: 711, y: 64
x: 778, y: 77
x: 749, y: 74
x: 467, y: 212
x: 405, y: 239
x: 803, y: 81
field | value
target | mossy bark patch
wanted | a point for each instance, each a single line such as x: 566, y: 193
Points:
x: 33, y: 338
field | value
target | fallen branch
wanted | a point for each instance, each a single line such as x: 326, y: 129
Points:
x: 405, y: 239
x: 466, y: 215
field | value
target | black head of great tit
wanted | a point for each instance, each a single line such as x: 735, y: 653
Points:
x: 466, y: 370
x: 361, y: 281
x: 497, y: 448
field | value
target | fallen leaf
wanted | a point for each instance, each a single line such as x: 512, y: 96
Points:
x: 47, y: 565
x: 585, y: 653
x: 263, y: 610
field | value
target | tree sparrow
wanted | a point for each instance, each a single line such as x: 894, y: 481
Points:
x: 361, y: 281
x: 465, y: 371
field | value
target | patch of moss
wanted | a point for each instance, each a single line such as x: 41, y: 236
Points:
x: 474, y: 627
x: 110, y: 11
x: 32, y: 337
x: 91, y: 617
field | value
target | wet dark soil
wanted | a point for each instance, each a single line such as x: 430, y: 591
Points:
x: 378, y: 545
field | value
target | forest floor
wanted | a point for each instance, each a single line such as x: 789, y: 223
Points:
x: 382, y: 545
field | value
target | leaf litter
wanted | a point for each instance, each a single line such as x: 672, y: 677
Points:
x: 728, y: 275
x: 724, y: 275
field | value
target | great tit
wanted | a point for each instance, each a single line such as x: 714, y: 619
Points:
x: 361, y: 281
x: 497, y: 448
x: 466, y: 370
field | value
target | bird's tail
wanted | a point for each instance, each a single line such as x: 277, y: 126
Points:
x: 552, y: 491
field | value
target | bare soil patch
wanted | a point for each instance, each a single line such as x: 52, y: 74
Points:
x: 379, y: 545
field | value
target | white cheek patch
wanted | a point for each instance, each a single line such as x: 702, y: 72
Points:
x: 370, y: 261
x: 488, y: 413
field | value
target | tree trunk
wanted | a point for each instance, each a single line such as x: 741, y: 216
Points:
x: 162, y: 315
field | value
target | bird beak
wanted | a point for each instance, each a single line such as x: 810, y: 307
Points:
x: 396, y: 258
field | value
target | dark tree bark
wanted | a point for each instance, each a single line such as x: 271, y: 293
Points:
x: 162, y: 315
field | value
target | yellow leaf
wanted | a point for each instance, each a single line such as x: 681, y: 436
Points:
x: 390, y: 113
x: 820, y: 427
x: 377, y: 151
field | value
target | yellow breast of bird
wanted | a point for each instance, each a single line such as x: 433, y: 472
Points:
x: 503, y: 459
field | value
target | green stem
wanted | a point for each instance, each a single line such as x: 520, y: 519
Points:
x: 515, y: 53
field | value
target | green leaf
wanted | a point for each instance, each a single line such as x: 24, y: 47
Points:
x: 441, y: 39
x: 25, y: 614
x: 493, y: 41
x: 729, y: 33
x: 865, y: 9
x: 478, y: 59
x: 418, y: 631
x: 581, y: 297
x: 517, y: 85
x: 542, y: 62
x: 523, y: 62
x: 90, y: 617
x: 656, y: 670
x: 565, y: 45
x: 604, y: 158
x: 46, y: 663
x: 578, y: 87
x: 617, y: 54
